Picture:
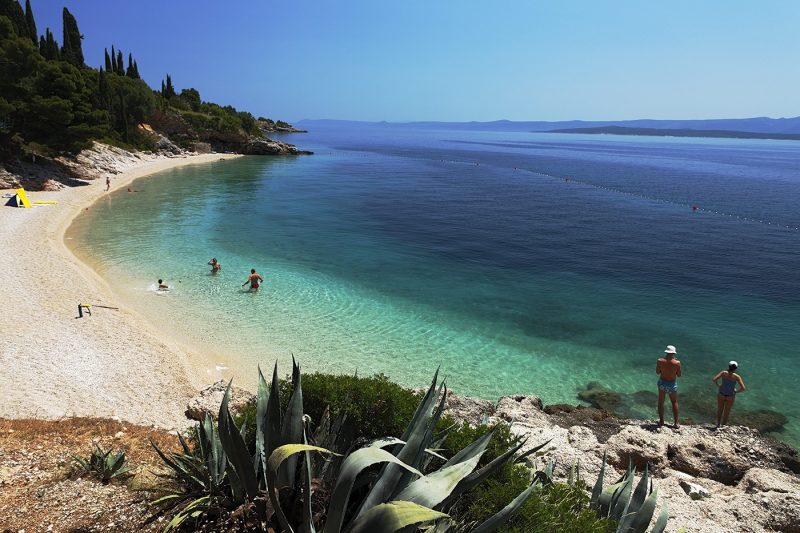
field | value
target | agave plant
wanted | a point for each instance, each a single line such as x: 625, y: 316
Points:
x: 104, y: 465
x: 631, y: 509
x: 385, y: 486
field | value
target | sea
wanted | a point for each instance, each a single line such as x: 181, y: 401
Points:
x: 516, y: 263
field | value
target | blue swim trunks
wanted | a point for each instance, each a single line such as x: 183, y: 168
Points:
x: 668, y: 386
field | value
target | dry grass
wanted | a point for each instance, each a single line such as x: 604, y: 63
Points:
x: 39, y: 490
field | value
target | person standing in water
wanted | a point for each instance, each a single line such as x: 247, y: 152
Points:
x: 216, y: 266
x: 162, y: 286
x: 254, y: 279
x: 669, y: 368
x: 727, y: 391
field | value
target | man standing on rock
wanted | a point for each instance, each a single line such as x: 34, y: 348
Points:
x: 669, y: 368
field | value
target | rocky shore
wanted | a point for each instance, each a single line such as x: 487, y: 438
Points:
x: 730, y: 479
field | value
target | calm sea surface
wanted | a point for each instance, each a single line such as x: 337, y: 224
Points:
x: 519, y: 262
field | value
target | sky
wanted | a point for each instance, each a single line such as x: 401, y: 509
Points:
x: 458, y: 60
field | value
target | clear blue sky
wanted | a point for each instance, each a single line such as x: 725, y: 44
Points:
x: 459, y: 60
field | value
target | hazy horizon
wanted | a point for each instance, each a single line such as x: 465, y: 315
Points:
x: 459, y: 62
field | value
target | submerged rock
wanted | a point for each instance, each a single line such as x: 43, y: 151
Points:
x: 600, y: 397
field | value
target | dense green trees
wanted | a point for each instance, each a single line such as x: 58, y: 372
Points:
x: 50, y: 101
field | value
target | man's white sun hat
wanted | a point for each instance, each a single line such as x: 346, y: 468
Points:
x: 670, y: 349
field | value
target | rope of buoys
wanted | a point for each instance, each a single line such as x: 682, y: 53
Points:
x: 693, y: 207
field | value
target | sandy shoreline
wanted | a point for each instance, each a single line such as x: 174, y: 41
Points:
x: 53, y: 364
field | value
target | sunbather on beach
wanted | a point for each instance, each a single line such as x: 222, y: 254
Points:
x: 669, y: 368
x: 254, y: 279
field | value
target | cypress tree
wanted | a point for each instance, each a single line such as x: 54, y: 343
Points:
x: 163, y: 89
x: 113, y: 68
x: 71, y: 49
x: 120, y: 63
x: 107, y: 58
x: 42, y: 46
x: 169, y: 90
x: 30, y: 22
x: 12, y: 10
x: 136, y: 70
x: 129, y: 72
x: 102, y: 88
x: 50, y: 50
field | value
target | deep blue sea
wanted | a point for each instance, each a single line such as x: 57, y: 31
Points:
x: 518, y: 262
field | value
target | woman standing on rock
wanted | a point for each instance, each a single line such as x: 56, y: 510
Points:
x: 727, y: 391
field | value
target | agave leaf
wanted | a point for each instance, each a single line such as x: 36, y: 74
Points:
x: 640, y: 494
x: 597, y: 490
x: 478, y: 476
x: 168, y: 498
x: 479, y: 444
x: 505, y: 513
x: 292, y: 433
x: 413, y: 437
x: 641, y: 517
x: 389, y: 517
x: 389, y: 441
x: 352, y: 466
x: 622, y: 499
x: 274, y: 418
x: 235, y: 448
x: 308, y: 525
x: 433, y: 489
x: 521, y: 457
x: 661, y: 523
x: 273, y: 465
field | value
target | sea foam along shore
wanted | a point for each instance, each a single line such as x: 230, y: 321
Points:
x: 112, y: 364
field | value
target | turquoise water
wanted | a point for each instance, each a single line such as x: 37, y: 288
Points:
x: 520, y: 263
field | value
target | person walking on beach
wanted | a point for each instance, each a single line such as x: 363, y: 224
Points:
x: 216, y: 266
x: 108, y: 183
x: 254, y: 279
x: 669, y: 368
x: 727, y: 391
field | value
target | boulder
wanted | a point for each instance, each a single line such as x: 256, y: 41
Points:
x: 600, y: 397
x: 466, y: 409
x: 693, y: 490
x: 270, y: 147
x: 522, y: 410
x: 163, y: 144
x: 641, y: 447
x: 210, y: 398
x: 769, y: 480
x: 202, y: 148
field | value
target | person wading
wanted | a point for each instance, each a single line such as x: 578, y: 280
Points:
x: 254, y: 279
x: 669, y: 368
x: 727, y: 391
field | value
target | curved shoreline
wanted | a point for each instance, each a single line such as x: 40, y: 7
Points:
x: 53, y: 365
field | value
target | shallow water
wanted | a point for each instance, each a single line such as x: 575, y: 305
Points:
x: 520, y: 263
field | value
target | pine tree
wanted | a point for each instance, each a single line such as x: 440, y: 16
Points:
x: 120, y: 64
x: 71, y: 47
x: 30, y: 22
x: 107, y: 58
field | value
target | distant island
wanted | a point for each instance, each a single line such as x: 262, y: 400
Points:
x: 684, y: 132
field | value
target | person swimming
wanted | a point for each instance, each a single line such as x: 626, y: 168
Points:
x: 254, y: 279
x: 216, y: 266
x: 727, y: 391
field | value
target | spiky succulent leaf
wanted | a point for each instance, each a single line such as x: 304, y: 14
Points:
x: 392, y: 516
x: 597, y: 490
x: 661, y: 523
x: 274, y: 463
x: 641, y: 519
x: 433, y: 489
x: 505, y: 513
x: 352, y: 466
x: 239, y: 461
x: 292, y: 431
